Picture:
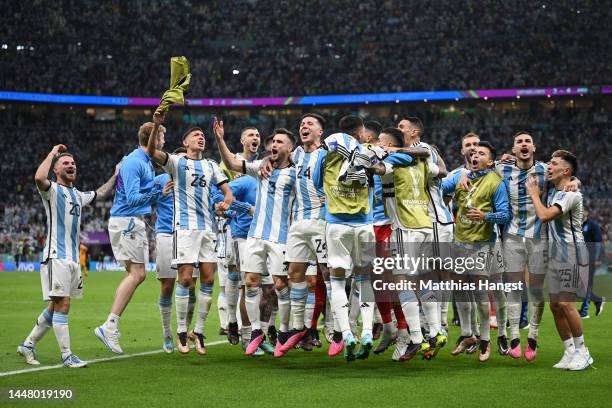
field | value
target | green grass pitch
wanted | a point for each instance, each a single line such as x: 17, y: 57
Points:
x: 227, y: 378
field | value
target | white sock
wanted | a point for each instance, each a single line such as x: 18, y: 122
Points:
x: 272, y: 321
x: 60, y: 328
x: 252, y: 300
x: 222, y: 309
x: 366, y: 304
x: 578, y: 343
x: 299, y: 295
x: 464, y: 309
x: 165, y: 309
x: 264, y: 326
x: 569, y: 345
x: 181, y: 300
x: 482, y: 300
x: 429, y: 304
x: 536, y: 305
x: 284, y: 308
x: 354, y: 308
x: 112, y: 322
x: 513, y: 307
x: 309, y: 311
x: 204, y: 302
x: 499, y: 304
x: 191, y: 306
x: 446, y: 295
x: 245, y: 333
x: 42, y: 326
x: 340, y: 304
x: 232, y: 292
x: 410, y: 307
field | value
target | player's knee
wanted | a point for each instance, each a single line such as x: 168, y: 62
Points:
x: 252, y: 280
x: 61, y: 304
x: 279, y: 284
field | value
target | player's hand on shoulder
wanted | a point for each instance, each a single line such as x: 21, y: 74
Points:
x: 265, y: 171
x: 507, y: 157
x: 168, y: 188
x: 465, y: 182
x: 573, y: 185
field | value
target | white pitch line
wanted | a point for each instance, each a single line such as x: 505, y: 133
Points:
x: 98, y: 360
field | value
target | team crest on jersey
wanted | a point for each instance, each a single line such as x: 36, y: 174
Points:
x: 561, y: 195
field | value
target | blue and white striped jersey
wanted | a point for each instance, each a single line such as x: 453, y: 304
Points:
x: 273, y: 203
x: 192, y: 181
x: 438, y: 210
x: 307, y: 204
x: 525, y: 222
x: 565, y: 239
x: 63, y: 206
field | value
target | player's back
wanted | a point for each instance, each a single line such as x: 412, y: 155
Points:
x: 165, y: 208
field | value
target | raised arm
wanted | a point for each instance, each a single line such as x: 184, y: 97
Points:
x: 231, y: 162
x: 107, y: 188
x: 159, y: 156
x: 42, y: 173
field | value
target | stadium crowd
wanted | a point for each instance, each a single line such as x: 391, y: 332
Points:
x: 98, y: 146
x: 264, y: 48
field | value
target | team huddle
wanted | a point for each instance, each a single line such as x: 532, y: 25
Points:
x: 293, y: 232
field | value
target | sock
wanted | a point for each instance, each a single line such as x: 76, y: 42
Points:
x: 389, y: 329
x: 181, y: 299
x: 112, y: 322
x: 355, y: 306
x: 320, y: 302
x: 310, y: 308
x: 204, y: 302
x: 482, y: 300
x: 165, y: 309
x: 329, y: 313
x: 513, y: 301
x: 366, y: 303
x: 464, y: 309
x: 537, y: 309
x: 429, y: 303
x: 404, y: 335
x: 474, y: 315
x: 222, y: 309
x: 264, y: 326
x: 232, y: 292
x: 444, y: 300
x: 499, y: 304
x: 299, y: 294
x: 569, y: 345
x: 385, y: 312
x: 42, y: 326
x: 400, y: 320
x: 410, y: 308
x: 272, y: 321
x: 245, y: 333
x: 252, y: 300
x: 60, y: 328
x: 578, y: 341
x: 284, y: 308
x: 340, y: 304
x: 190, y: 306
x: 524, y: 310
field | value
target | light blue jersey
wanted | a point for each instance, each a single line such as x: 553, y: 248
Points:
x: 244, y: 189
x: 525, y: 222
x: 165, y: 208
x: 63, y: 206
x: 135, y: 190
x: 273, y: 204
x: 380, y: 218
x: 308, y: 204
x: 565, y: 239
x: 192, y: 191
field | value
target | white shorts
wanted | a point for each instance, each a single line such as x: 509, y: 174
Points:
x: 61, y: 278
x: 260, y: 256
x: 128, y: 237
x: 443, y: 235
x: 163, y: 256
x: 194, y: 246
x: 306, y: 242
x: 472, y: 258
x: 412, y: 244
x: 350, y: 246
x: 498, y: 264
x: 520, y: 252
x: 568, y: 277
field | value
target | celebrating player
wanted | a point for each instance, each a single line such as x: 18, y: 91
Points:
x: 60, y: 272
x: 568, y: 263
x: 267, y: 239
x: 136, y: 191
x: 194, y: 225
